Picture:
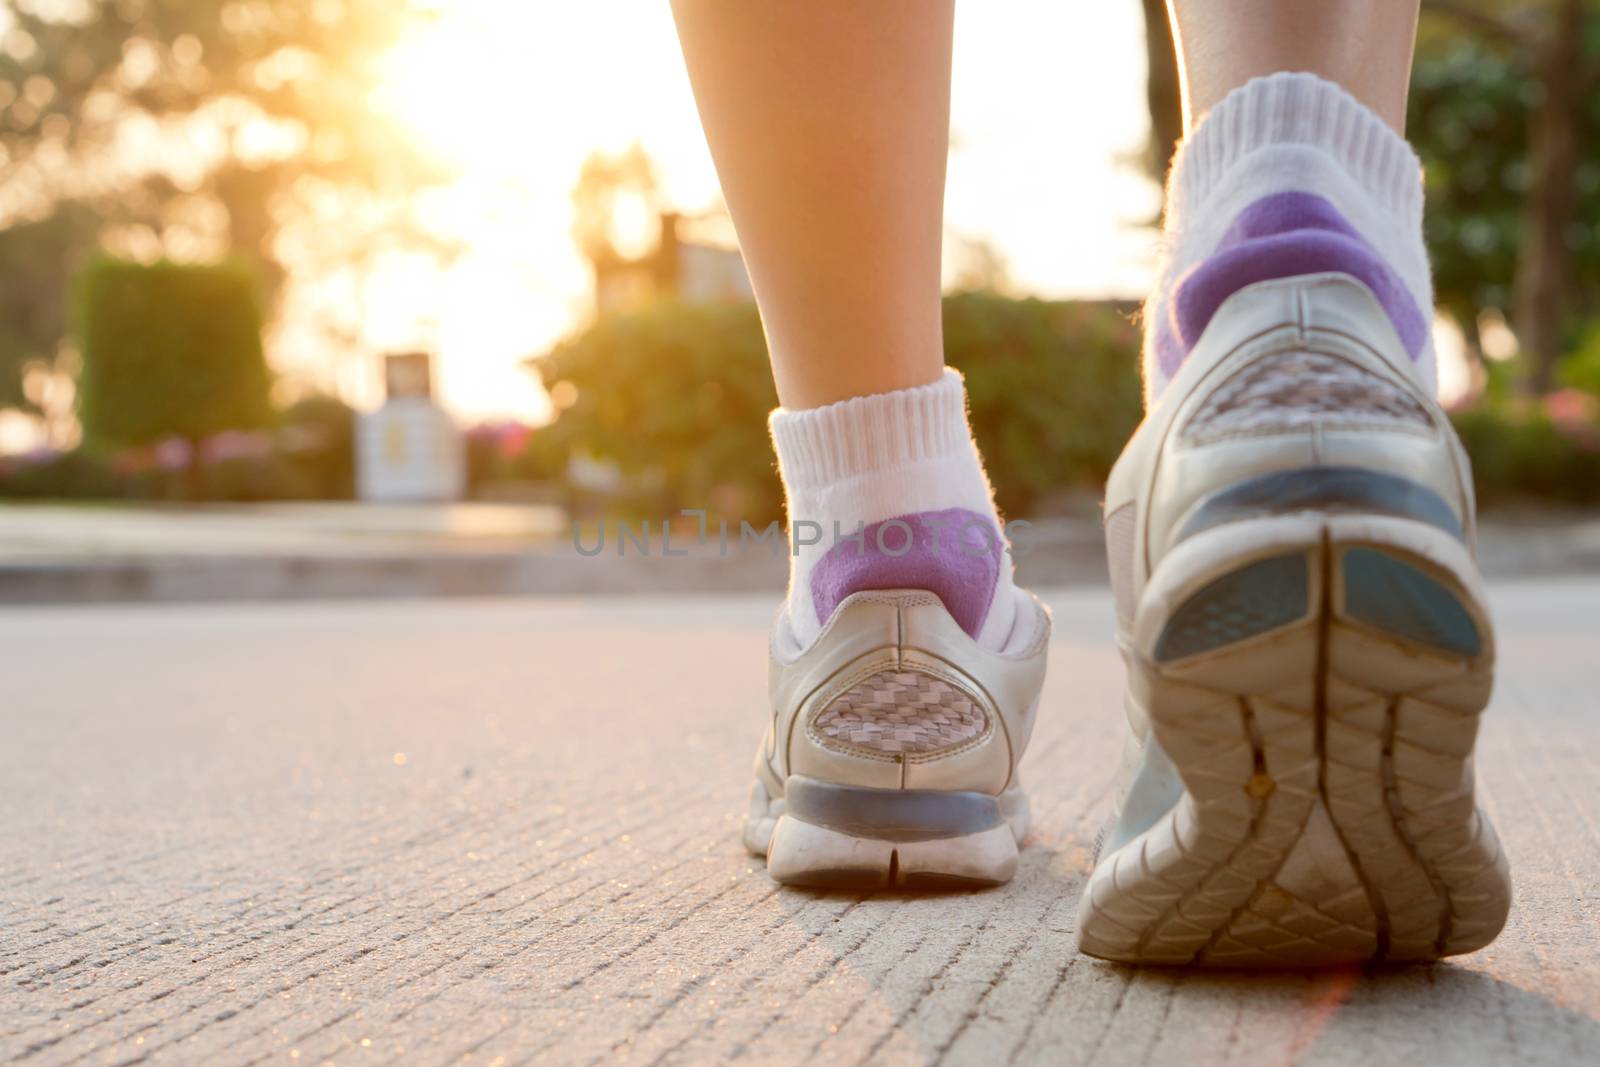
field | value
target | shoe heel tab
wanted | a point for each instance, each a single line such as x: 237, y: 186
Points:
x: 899, y: 599
x: 1330, y: 302
x: 908, y: 618
x: 892, y: 614
x: 870, y: 619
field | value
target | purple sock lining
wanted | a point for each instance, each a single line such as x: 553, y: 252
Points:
x: 1281, y: 236
x: 954, y: 554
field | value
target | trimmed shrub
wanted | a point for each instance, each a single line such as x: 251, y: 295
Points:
x: 316, y: 439
x: 169, y: 350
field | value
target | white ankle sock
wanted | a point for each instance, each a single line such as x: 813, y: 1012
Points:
x: 1283, y: 155
x: 909, y: 456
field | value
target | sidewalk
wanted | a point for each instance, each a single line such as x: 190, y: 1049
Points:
x: 505, y: 831
x: 70, y: 554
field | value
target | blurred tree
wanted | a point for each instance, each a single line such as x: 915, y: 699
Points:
x: 1468, y: 120
x: 977, y: 266
x: 608, y: 186
x: 169, y: 350
x: 1501, y: 121
x: 37, y: 263
x: 191, y: 128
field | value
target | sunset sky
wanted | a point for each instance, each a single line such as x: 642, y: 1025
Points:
x: 1048, y: 111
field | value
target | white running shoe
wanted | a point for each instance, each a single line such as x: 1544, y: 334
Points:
x: 891, y: 754
x: 1308, y: 651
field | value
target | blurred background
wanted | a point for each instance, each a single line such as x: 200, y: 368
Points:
x: 366, y: 295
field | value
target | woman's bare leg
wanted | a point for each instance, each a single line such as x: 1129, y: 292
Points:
x: 1363, y: 45
x: 829, y: 124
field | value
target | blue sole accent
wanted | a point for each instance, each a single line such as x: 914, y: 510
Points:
x: 1391, y: 595
x: 1252, y: 600
x: 890, y: 814
x: 1328, y: 489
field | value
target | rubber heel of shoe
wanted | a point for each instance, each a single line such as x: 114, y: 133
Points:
x: 846, y: 837
x: 805, y: 854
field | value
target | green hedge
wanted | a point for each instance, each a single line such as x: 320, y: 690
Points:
x: 1053, y: 388
x: 79, y: 475
x: 677, y: 397
x: 308, y: 455
x: 1520, y: 455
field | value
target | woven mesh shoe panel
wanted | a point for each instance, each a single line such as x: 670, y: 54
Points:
x: 1120, y: 527
x: 1296, y: 389
x: 902, y: 711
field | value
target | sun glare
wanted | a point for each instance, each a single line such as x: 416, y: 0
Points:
x: 513, y: 96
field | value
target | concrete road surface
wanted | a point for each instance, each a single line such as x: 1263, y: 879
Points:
x: 505, y: 832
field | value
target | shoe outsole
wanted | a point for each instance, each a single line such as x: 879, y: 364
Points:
x: 892, y: 856
x: 1316, y: 680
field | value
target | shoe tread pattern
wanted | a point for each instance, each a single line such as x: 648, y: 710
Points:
x: 1329, y: 814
